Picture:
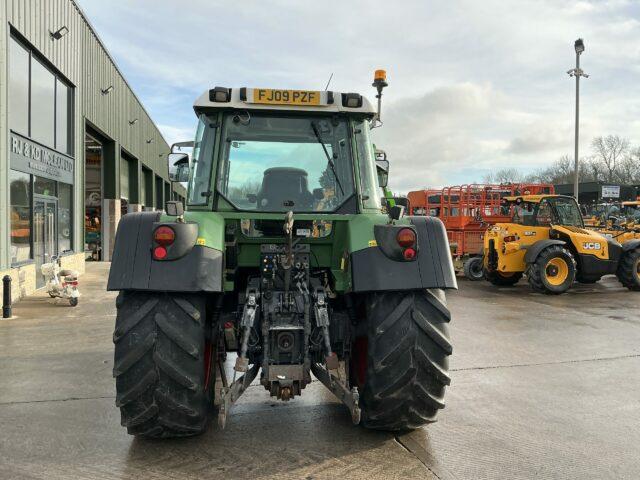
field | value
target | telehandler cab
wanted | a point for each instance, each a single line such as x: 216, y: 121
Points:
x: 285, y: 257
x: 547, y: 241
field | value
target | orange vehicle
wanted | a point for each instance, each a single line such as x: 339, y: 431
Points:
x: 467, y: 211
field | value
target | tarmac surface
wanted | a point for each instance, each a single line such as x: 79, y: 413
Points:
x: 542, y: 387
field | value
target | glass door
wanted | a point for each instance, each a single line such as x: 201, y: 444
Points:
x: 44, y: 234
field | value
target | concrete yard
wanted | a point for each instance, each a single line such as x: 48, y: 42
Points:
x: 542, y: 387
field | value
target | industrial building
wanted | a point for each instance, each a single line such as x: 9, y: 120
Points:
x: 591, y: 193
x: 77, y: 148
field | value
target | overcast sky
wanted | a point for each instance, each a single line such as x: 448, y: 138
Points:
x: 475, y: 86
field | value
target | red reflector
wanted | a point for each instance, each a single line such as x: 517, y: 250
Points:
x: 406, y: 238
x: 228, y: 325
x: 159, y: 253
x: 164, y: 235
x: 510, y: 238
x: 409, y: 254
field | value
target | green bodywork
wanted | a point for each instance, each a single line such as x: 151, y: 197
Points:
x: 349, y: 234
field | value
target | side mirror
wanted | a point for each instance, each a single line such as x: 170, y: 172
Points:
x: 318, y: 193
x: 382, y: 168
x: 383, y: 178
x: 252, y: 197
x: 174, y: 208
x: 178, y: 167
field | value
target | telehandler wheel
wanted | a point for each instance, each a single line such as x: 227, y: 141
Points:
x: 473, y: 268
x: 629, y: 269
x: 501, y: 279
x: 164, y: 364
x: 553, y: 272
x: 405, y: 359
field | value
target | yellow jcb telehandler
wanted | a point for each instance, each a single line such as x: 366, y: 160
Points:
x: 547, y: 241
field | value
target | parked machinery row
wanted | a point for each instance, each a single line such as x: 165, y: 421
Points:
x: 546, y: 240
x: 502, y: 233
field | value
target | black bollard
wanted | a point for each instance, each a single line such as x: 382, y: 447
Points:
x: 6, y: 296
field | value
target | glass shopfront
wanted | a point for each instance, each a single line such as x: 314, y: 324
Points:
x: 41, y: 219
x: 20, y: 216
x: 42, y: 167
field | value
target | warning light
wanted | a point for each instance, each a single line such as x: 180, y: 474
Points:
x: 380, y: 78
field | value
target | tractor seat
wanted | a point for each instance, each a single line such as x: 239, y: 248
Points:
x: 283, y: 185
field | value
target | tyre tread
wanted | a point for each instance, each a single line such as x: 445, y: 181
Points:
x: 625, y: 271
x: 160, y: 379
x: 408, y: 360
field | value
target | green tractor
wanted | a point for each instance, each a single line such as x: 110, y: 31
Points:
x: 285, y: 258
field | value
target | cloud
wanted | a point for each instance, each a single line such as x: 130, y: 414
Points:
x: 474, y: 86
x: 176, y: 134
x: 541, y: 139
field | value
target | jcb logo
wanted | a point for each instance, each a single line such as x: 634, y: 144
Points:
x: 592, y: 246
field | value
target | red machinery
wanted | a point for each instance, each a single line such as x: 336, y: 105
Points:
x: 467, y: 211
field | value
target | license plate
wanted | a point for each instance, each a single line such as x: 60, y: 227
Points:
x: 270, y: 96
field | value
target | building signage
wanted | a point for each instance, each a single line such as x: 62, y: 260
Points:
x: 31, y: 157
x: 610, y: 191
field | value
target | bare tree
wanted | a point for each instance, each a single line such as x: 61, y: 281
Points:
x: 609, y: 151
x: 628, y: 171
x: 561, y: 171
x: 505, y: 175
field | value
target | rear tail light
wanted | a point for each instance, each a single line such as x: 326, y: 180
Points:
x: 164, y: 235
x: 409, y: 254
x: 406, y: 238
x: 159, y: 253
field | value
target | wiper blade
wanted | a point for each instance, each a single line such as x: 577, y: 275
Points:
x: 329, y: 159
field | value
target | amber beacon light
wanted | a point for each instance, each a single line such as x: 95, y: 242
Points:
x: 380, y: 82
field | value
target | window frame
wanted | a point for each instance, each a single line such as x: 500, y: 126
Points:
x: 58, y: 77
x: 222, y: 159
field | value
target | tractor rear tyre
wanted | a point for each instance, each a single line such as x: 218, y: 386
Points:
x: 473, y: 268
x: 553, y: 272
x: 502, y: 279
x: 629, y: 269
x: 407, y: 349
x: 164, y: 364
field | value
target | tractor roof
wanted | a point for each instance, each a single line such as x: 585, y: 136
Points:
x: 532, y: 198
x: 220, y: 98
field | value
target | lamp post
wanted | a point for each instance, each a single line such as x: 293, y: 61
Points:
x: 577, y: 72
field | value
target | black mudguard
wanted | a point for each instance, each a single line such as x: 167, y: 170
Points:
x: 133, y: 268
x: 534, y: 250
x: 631, y: 245
x: 373, y: 271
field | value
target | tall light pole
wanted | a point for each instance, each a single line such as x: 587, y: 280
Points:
x: 577, y: 72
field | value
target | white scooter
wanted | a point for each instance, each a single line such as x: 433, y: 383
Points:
x: 60, y: 283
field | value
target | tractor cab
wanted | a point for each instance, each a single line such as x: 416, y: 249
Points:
x: 274, y: 151
x: 631, y: 210
x: 544, y: 210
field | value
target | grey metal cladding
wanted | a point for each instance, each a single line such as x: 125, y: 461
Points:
x: 82, y: 58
